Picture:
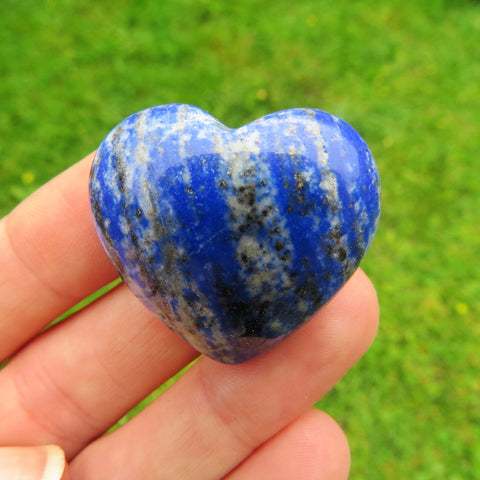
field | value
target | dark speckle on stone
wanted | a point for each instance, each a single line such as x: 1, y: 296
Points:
x: 246, y: 195
x: 300, y: 181
x: 335, y: 233
x: 335, y: 208
x: 249, y: 172
x: 341, y: 254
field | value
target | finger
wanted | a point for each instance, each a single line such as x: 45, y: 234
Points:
x: 35, y: 463
x: 216, y: 415
x: 77, y: 379
x: 313, y: 447
x: 50, y: 257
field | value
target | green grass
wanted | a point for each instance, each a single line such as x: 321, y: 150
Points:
x: 404, y: 73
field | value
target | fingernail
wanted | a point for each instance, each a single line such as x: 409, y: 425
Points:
x: 45, y: 462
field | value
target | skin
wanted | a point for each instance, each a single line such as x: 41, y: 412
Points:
x: 68, y: 385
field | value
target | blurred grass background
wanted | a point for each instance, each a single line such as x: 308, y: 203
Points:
x: 404, y: 73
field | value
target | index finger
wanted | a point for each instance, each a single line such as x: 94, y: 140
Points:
x: 50, y: 257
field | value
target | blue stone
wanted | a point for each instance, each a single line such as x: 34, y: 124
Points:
x: 234, y: 237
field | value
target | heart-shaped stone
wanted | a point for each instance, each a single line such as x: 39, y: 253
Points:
x: 234, y: 237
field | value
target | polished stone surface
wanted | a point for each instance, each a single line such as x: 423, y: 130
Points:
x: 234, y: 237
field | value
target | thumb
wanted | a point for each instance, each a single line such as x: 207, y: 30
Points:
x: 44, y: 462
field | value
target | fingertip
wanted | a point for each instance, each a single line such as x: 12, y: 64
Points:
x: 56, y: 467
x: 365, y: 294
x: 311, y: 447
x: 350, y: 319
x: 42, y: 462
x: 334, y: 453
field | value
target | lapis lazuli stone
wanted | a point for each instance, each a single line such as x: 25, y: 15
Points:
x: 234, y: 237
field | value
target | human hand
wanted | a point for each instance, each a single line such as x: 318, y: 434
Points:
x: 67, y: 385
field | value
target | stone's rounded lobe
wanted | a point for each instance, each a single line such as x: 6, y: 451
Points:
x: 234, y: 237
